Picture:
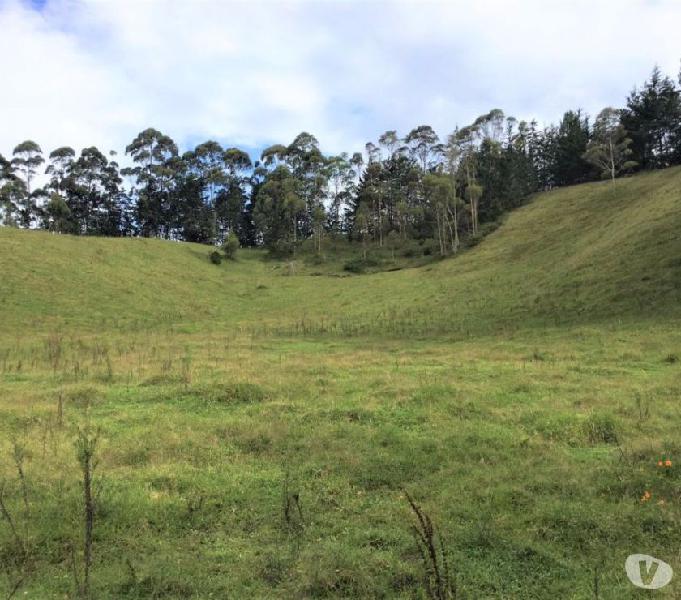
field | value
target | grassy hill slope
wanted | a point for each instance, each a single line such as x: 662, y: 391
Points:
x: 247, y: 466
x: 590, y: 251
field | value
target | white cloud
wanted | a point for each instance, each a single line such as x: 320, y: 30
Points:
x: 83, y: 72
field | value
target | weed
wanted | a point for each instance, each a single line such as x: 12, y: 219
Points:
x: 437, y: 581
x: 600, y: 428
x: 86, y: 446
x: 291, y: 509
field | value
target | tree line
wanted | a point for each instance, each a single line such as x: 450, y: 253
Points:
x: 419, y: 186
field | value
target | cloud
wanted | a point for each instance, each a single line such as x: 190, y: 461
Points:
x: 83, y: 72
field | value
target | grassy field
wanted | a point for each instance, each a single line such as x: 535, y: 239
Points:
x: 261, y: 422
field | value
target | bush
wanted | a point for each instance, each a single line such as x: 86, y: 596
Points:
x: 281, y: 249
x: 359, y: 265
x: 230, y: 246
x: 215, y: 257
x: 430, y: 247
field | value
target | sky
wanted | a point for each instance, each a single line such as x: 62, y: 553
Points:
x: 253, y: 73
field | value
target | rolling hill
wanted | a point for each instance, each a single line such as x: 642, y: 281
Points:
x: 590, y: 252
x: 257, y: 430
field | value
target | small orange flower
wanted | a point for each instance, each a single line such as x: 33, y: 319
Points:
x: 659, y: 463
x: 667, y: 463
x: 646, y: 496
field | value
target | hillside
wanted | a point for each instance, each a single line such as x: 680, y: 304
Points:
x: 577, y: 254
x: 524, y: 393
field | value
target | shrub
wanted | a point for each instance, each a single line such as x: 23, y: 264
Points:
x: 215, y: 257
x: 230, y: 246
x: 359, y: 265
x: 282, y: 249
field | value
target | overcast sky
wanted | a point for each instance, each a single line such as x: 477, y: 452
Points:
x: 96, y: 72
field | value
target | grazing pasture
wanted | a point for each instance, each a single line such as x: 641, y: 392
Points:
x: 256, y: 428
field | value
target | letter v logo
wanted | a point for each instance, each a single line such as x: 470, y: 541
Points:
x: 648, y: 572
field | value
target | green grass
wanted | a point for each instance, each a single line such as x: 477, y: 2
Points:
x: 522, y: 393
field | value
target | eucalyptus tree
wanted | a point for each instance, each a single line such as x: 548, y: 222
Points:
x: 272, y: 156
x: 609, y: 149
x: 277, y: 209
x: 422, y: 143
x: 152, y: 151
x: 390, y: 141
x: 463, y: 142
x: 6, y: 207
x: 440, y: 196
x: 12, y: 193
x: 373, y: 152
x: 210, y: 162
x: 452, y: 160
x: 341, y: 173
x: 27, y: 158
x: 93, y: 198
x: 361, y: 226
x: 230, y: 205
x: 59, y: 169
x: 490, y: 126
x: 308, y: 165
x: 191, y: 218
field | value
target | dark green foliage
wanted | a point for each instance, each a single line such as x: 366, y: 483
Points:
x: 417, y: 187
x: 215, y: 257
x: 360, y: 265
x: 653, y: 119
x: 230, y: 246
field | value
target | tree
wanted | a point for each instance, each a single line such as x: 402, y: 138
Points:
x: 422, y: 142
x: 153, y: 154
x: 8, y: 185
x: 609, y: 149
x: 210, y: 162
x: 390, y: 140
x: 341, y: 173
x: 393, y: 242
x: 440, y: 196
x: 277, y: 208
x: 12, y: 195
x: 653, y: 119
x: 571, y: 139
x: 362, y: 227
x: 58, y: 214
x: 308, y: 166
x: 230, y: 205
x: 463, y: 150
x: 93, y: 193
x: 318, y: 221
x: 61, y: 161
x: 27, y: 158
